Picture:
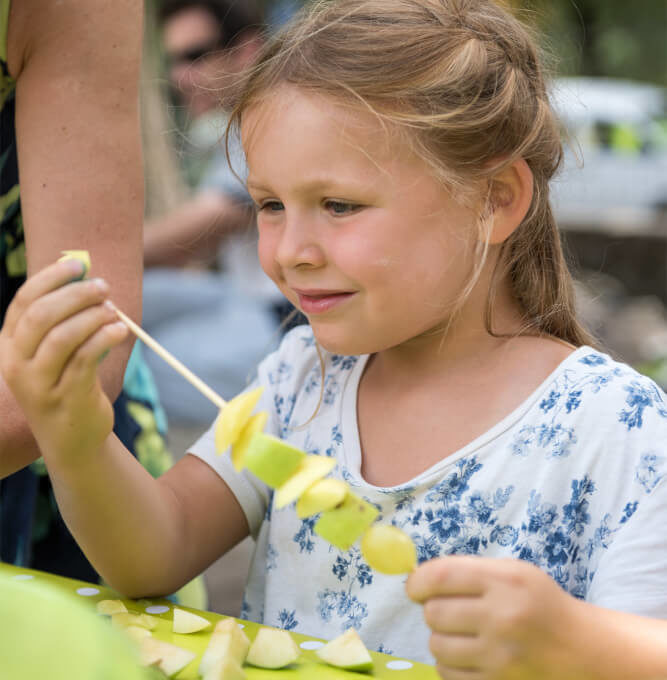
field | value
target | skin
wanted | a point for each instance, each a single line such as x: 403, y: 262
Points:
x: 79, y: 151
x: 352, y: 231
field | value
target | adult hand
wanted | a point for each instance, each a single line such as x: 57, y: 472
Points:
x: 53, y: 337
x: 499, y: 619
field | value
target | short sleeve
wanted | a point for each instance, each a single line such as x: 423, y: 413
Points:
x: 632, y: 574
x: 253, y: 496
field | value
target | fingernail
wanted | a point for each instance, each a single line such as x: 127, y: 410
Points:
x: 102, y: 285
x: 77, y: 269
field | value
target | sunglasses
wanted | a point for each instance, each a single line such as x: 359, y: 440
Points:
x: 193, y: 53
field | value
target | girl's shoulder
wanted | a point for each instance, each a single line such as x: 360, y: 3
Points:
x: 596, y: 388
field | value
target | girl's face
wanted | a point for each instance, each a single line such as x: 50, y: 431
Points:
x: 353, y: 227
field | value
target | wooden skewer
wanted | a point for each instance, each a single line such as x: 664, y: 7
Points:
x: 170, y: 359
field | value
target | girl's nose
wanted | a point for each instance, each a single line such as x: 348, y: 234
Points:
x: 299, y: 245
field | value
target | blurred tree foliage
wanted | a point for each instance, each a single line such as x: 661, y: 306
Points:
x: 614, y: 38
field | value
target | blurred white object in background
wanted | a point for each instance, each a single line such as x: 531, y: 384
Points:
x: 614, y: 177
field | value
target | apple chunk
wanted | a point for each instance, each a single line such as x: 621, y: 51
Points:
x: 187, y: 622
x: 225, y: 669
x: 109, y: 607
x: 388, y: 550
x: 347, y: 651
x: 312, y: 468
x: 125, y: 619
x: 240, y: 446
x: 324, y: 494
x: 271, y: 459
x: 167, y: 657
x: 233, y: 418
x: 272, y: 648
x: 343, y: 525
x: 227, y: 641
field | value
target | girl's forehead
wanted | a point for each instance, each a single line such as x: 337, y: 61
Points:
x: 341, y: 120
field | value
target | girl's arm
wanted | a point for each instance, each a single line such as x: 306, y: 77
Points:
x: 144, y: 536
x: 506, y: 619
x: 76, y: 66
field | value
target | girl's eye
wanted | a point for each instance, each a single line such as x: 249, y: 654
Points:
x: 271, y: 206
x: 341, y: 207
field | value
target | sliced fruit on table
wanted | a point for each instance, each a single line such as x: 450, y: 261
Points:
x: 125, y: 619
x: 324, y: 494
x: 272, y: 648
x: 186, y: 622
x: 136, y: 633
x: 233, y: 418
x: 343, y: 525
x: 225, y: 669
x: 170, y: 659
x: 240, y: 446
x: 109, y: 607
x: 312, y: 469
x: 388, y: 549
x: 347, y: 651
x: 227, y: 641
x: 272, y: 460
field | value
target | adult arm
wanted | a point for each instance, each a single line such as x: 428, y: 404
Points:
x: 78, y: 138
x: 193, y: 231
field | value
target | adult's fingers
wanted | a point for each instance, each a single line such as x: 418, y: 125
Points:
x: 47, y: 312
x: 50, y: 278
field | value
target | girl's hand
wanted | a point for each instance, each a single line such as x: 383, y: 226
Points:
x: 499, y: 619
x: 55, y: 332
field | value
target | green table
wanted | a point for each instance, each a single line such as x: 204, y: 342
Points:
x: 308, y: 667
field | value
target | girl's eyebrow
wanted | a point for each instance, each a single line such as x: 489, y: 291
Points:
x: 315, y: 184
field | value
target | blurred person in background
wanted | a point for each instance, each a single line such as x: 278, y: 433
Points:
x: 206, y: 298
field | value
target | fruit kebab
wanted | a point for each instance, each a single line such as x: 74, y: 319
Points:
x: 296, y: 476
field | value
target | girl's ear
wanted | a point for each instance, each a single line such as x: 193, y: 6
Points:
x: 511, y: 196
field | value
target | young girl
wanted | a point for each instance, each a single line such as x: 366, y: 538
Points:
x: 399, y: 154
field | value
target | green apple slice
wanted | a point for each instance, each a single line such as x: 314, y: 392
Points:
x: 170, y: 659
x: 312, y: 469
x: 233, y: 418
x: 225, y: 668
x: 240, y: 446
x: 388, y: 550
x: 136, y: 633
x: 272, y: 648
x: 125, y: 619
x: 109, y: 607
x: 324, y: 494
x: 227, y: 641
x: 187, y: 622
x: 347, y: 651
x: 343, y: 525
x: 271, y: 459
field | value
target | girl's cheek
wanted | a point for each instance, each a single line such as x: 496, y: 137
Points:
x: 266, y: 250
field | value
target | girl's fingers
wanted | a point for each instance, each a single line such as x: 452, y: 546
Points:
x: 457, y: 653
x: 63, y: 340
x: 83, y: 363
x: 52, y: 277
x: 54, y: 308
x: 455, y: 615
x: 455, y: 575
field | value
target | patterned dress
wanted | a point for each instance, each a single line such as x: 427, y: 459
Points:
x: 574, y: 480
x: 32, y: 531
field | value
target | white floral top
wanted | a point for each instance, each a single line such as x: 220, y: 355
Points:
x: 574, y: 480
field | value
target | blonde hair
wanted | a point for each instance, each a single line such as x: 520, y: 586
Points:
x: 463, y: 79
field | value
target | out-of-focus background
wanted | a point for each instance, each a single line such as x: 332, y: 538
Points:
x: 609, y: 62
